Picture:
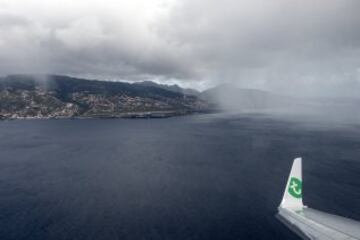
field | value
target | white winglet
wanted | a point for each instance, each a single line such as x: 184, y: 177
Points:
x: 292, y: 198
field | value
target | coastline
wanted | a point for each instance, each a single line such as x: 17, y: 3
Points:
x: 126, y: 115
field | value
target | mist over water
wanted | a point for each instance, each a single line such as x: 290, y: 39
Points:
x: 232, y: 100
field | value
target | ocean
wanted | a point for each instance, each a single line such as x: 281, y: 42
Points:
x: 206, y: 176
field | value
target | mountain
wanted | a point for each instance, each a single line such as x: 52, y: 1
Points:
x: 231, y: 98
x: 53, y: 96
x: 173, y: 88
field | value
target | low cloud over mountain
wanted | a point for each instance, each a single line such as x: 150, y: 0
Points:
x: 306, y: 48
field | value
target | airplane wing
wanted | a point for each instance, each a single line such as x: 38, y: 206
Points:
x: 310, y: 223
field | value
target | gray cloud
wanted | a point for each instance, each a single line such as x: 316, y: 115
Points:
x: 299, y: 47
x: 280, y: 45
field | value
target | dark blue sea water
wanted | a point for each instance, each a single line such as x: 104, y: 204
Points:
x: 195, y: 177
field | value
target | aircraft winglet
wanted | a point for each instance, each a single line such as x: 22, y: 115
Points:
x: 310, y: 223
x: 292, y: 198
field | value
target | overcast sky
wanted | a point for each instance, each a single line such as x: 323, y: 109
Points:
x: 298, y: 47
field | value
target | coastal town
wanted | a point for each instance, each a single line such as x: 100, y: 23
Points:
x: 38, y: 102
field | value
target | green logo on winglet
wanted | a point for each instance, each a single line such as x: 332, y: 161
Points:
x: 295, y: 187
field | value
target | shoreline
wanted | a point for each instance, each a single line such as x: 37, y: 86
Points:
x: 127, y: 115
